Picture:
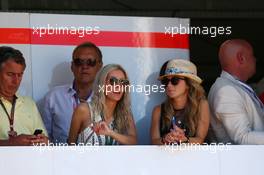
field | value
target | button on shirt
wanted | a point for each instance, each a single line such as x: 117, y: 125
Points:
x: 26, y: 117
x: 57, y: 110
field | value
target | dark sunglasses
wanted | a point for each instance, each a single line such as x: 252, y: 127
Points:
x: 113, y: 81
x: 174, y: 80
x: 81, y: 62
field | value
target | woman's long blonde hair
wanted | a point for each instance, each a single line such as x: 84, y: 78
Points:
x: 192, y: 109
x: 122, y: 111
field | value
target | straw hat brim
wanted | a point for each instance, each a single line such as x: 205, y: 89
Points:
x: 187, y: 75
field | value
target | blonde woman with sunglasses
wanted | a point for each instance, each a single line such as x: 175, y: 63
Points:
x: 184, y: 116
x: 108, y: 119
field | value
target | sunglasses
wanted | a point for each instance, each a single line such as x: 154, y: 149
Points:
x: 174, y: 80
x: 113, y: 81
x: 81, y: 62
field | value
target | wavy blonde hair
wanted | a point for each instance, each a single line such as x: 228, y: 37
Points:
x: 122, y: 111
x: 192, y: 109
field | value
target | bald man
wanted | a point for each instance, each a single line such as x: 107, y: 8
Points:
x: 237, y: 113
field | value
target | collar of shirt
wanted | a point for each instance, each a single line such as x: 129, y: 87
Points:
x: 19, y: 100
x: 244, y: 86
x: 235, y: 79
x: 71, y: 90
x: 229, y: 76
x: 73, y: 93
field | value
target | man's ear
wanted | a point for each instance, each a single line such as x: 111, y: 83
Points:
x: 241, y: 58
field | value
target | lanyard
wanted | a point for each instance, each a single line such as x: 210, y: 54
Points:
x: 248, y: 90
x: 10, y: 117
x: 252, y: 94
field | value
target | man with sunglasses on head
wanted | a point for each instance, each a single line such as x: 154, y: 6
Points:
x: 60, y: 102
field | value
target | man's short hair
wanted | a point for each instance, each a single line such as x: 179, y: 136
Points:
x: 9, y: 53
x: 88, y: 45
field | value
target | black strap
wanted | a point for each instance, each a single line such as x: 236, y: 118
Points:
x: 10, y: 117
x: 163, y: 129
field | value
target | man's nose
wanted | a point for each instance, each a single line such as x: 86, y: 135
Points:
x: 16, y: 79
x: 85, y: 65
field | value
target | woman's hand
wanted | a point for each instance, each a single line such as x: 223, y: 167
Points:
x: 168, y: 138
x: 176, y: 135
x: 102, y: 128
x: 179, y: 134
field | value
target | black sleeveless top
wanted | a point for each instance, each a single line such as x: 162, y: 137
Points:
x: 177, y: 119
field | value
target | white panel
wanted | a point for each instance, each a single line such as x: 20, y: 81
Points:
x: 132, y: 160
x: 246, y: 162
x: 14, y: 20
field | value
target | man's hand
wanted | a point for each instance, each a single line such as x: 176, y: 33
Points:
x: 28, y: 140
x: 40, y: 139
x: 21, y: 140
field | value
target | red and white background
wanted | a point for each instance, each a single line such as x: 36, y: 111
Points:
x: 140, y: 45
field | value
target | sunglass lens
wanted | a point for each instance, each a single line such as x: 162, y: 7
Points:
x: 91, y: 62
x: 77, y: 62
x: 174, y: 80
x: 81, y: 62
x: 113, y: 81
x: 165, y: 81
x: 125, y: 82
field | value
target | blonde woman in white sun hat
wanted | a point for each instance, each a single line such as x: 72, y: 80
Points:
x: 184, y: 116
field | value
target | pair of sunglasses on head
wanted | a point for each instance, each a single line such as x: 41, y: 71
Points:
x: 81, y: 62
x: 174, y: 80
x: 114, y: 81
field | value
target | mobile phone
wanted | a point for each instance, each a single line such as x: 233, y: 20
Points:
x: 177, y: 123
x: 37, y: 132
